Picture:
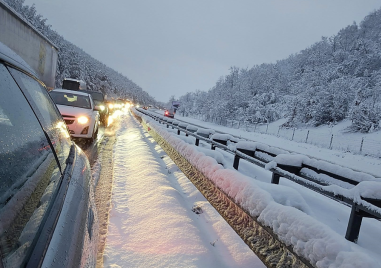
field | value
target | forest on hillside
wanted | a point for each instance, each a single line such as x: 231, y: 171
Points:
x: 334, y: 79
x: 75, y: 63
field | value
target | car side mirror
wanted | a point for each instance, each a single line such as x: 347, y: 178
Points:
x: 97, y: 108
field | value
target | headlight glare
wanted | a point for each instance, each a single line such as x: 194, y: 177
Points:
x: 83, y: 120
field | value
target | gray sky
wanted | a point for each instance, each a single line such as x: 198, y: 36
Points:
x: 170, y: 47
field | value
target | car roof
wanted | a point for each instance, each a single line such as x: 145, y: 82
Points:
x: 73, y: 79
x: 91, y: 91
x: 8, y: 55
x: 78, y: 92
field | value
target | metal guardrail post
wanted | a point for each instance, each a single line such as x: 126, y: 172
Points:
x: 236, y: 161
x: 330, y: 144
x: 354, y: 224
x: 275, y: 178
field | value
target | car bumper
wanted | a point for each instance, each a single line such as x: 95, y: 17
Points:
x: 78, y: 130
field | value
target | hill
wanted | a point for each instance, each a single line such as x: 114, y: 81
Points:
x: 75, y: 63
x: 334, y: 79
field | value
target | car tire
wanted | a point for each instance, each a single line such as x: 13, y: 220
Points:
x: 94, y: 137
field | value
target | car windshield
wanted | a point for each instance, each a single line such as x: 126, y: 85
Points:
x: 69, y: 99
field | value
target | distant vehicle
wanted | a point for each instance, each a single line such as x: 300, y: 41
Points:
x: 47, y: 206
x: 73, y: 84
x: 118, y: 104
x: 169, y: 113
x: 79, y: 112
x: 99, y: 100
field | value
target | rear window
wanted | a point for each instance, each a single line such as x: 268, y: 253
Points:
x: 71, y: 85
x: 69, y: 99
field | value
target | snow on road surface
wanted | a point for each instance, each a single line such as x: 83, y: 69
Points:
x: 151, y: 220
x: 319, y: 208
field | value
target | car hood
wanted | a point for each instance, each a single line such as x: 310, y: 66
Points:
x: 73, y: 111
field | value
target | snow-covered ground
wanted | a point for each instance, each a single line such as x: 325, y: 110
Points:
x: 318, y: 208
x: 357, y: 162
x: 151, y: 220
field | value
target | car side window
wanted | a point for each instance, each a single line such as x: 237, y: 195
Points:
x: 47, y: 113
x: 29, y: 173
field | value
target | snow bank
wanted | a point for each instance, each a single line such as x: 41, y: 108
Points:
x: 300, y: 160
x: 276, y: 208
x: 214, y: 154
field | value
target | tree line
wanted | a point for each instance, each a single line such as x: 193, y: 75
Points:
x: 334, y: 79
x: 75, y: 63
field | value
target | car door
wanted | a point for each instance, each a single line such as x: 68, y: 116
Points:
x: 30, y: 174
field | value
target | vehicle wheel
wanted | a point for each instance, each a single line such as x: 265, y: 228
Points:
x: 94, y: 137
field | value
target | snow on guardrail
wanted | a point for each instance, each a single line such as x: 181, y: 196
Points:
x: 278, y: 207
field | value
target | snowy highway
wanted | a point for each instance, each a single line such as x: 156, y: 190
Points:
x: 322, y: 209
x: 151, y: 219
x: 157, y: 217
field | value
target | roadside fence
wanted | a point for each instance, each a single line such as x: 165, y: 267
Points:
x: 355, y: 144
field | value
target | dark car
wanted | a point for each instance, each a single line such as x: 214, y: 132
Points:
x: 47, y: 210
x: 99, y: 100
x: 169, y: 113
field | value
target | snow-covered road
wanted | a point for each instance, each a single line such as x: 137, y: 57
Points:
x: 151, y: 220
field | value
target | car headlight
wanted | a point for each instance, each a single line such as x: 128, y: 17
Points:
x: 111, y: 106
x: 102, y: 107
x: 83, y: 120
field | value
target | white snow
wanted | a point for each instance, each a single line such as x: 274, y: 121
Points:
x: 360, y: 163
x: 192, y: 128
x: 151, y: 221
x: 222, y: 137
x: 313, y: 224
x: 203, y: 131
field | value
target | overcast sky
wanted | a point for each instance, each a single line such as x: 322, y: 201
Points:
x: 170, y: 47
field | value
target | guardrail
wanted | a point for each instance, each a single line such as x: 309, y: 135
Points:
x: 366, y: 207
